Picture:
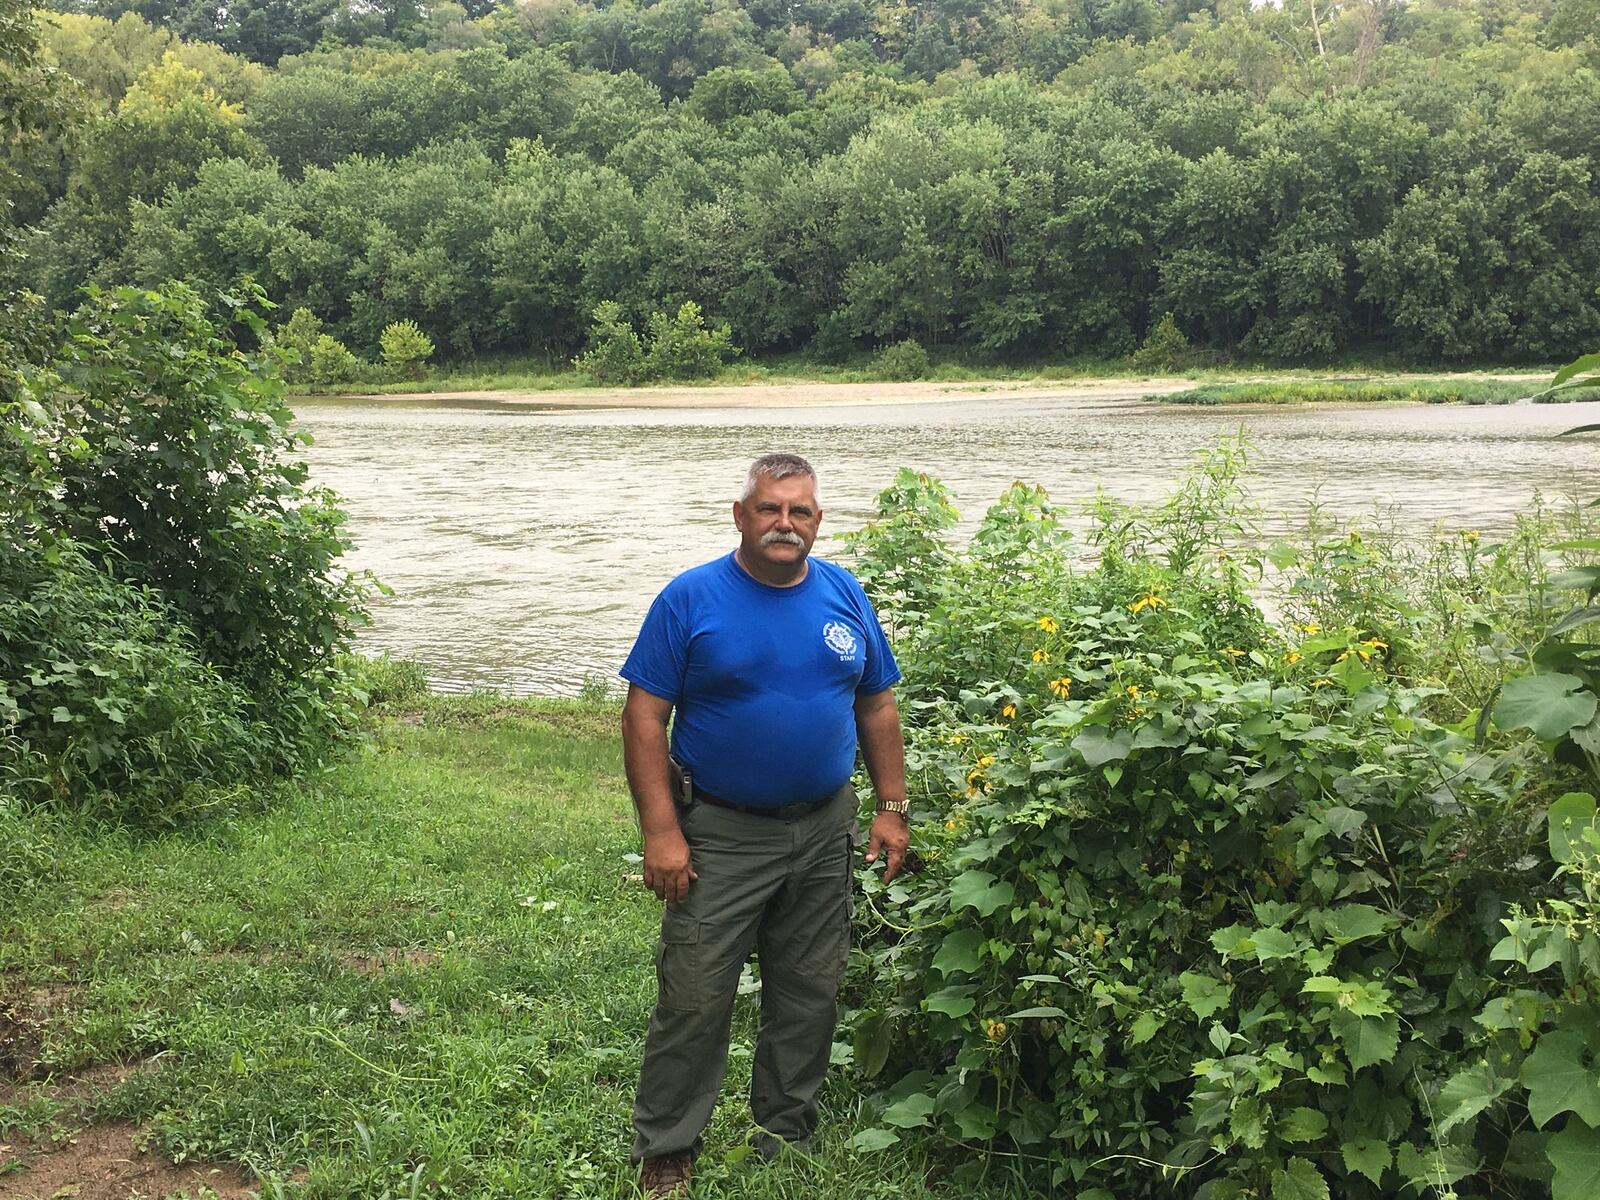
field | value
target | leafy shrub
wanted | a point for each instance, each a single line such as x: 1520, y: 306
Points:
x: 682, y: 348
x: 406, y: 349
x: 173, y: 609
x: 902, y: 362
x: 615, y: 354
x: 1211, y: 904
x: 678, y: 347
x: 386, y: 680
x: 832, y: 343
x: 1164, y: 349
x: 299, y: 335
x: 332, y: 362
x: 106, y: 697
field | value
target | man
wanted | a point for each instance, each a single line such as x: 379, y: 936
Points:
x: 777, y: 669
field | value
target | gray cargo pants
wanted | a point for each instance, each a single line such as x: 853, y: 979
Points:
x: 779, y: 886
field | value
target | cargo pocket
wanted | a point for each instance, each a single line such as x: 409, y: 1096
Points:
x: 848, y: 920
x: 678, y: 968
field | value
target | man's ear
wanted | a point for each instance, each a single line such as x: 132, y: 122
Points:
x: 738, y: 515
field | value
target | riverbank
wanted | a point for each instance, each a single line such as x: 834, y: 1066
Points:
x: 426, y: 974
x: 811, y: 393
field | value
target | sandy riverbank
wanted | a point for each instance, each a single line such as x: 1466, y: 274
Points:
x: 801, y: 394
x: 813, y: 394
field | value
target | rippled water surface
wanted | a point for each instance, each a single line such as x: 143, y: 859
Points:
x: 524, y: 544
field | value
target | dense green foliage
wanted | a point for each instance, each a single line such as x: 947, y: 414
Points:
x: 1437, y: 391
x: 1214, y: 905
x: 171, y: 611
x: 1018, y: 183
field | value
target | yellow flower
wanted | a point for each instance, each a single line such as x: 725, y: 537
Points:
x: 995, y: 1031
x: 1317, y: 683
x: 1469, y: 536
x: 955, y: 739
x: 1293, y: 656
x: 985, y: 762
x: 1009, y: 712
x: 1373, y: 643
x: 1041, y: 656
x: 1309, y: 627
x: 1062, y: 687
x: 973, y: 793
x: 1048, y: 624
x: 1233, y: 652
x: 1148, y: 600
x: 1133, y: 690
x: 951, y: 826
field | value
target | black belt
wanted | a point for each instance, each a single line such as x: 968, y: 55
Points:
x: 784, y: 811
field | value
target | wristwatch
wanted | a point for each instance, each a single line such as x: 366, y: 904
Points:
x: 899, y: 807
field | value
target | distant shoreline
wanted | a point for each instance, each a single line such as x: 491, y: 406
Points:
x: 806, y: 394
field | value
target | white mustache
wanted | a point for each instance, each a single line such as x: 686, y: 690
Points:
x: 777, y: 537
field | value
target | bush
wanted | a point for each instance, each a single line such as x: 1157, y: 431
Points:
x: 385, y: 680
x: 299, y: 335
x: 1165, y: 349
x: 1211, y: 906
x: 682, y: 348
x: 615, y: 355
x: 903, y: 361
x: 172, y: 618
x: 332, y: 362
x: 406, y: 349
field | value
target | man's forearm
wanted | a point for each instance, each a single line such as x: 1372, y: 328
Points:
x: 883, y: 746
x: 645, y: 758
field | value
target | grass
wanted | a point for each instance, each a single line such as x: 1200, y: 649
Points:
x: 538, y: 374
x: 1423, y: 391
x: 424, y: 974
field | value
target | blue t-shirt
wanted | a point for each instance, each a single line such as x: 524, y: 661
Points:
x: 763, y: 679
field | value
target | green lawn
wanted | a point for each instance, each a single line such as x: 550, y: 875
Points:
x: 426, y: 970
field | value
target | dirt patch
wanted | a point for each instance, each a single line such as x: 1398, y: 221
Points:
x: 103, y: 1162
x: 388, y: 959
x: 23, y: 1018
x: 78, y: 1087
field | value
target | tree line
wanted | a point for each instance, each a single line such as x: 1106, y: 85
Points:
x: 1292, y: 183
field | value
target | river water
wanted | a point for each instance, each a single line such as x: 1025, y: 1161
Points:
x: 523, y: 544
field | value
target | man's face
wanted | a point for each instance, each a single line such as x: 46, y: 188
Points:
x: 779, y: 522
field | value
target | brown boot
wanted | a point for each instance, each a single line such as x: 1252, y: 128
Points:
x: 666, y: 1176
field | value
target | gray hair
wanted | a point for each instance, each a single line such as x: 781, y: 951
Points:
x: 779, y: 466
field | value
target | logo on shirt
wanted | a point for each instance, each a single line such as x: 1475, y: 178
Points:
x: 837, y: 637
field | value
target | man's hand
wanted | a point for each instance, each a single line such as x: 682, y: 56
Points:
x: 667, y: 871
x: 890, y: 835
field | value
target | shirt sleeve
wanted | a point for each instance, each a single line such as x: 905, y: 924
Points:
x: 881, y: 670
x: 660, y: 655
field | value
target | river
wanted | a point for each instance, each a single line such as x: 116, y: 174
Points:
x: 523, y: 543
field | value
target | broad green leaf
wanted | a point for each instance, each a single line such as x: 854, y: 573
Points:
x: 1582, y: 579
x: 975, y: 1120
x: 1367, y: 1040
x: 1434, y: 1167
x: 911, y: 1112
x: 952, y: 1001
x: 1144, y: 1028
x: 1566, y: 819
x: 1561, y: 1076
x: 979, y: 890
x: 1299, y: 1180
x: 1549, y: 703
x: 1466, y: 1094
x: 1354, y: 922
x: 869, y: 1140
x: 1575, y: 1153
x: 873, y: 1041
x: 1367, y: 1156
x: 1302, y: 1125
x: 1247, y: 1121
x: 1044, y: 1010
x: 1204, y: 994
x: 1098, y: 748
x: 960, y: 951
x: 1585, y: 615
x: 1275, y: 943
x: 1578, y: 366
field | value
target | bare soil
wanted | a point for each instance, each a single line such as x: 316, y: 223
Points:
x: 103, y: 1162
